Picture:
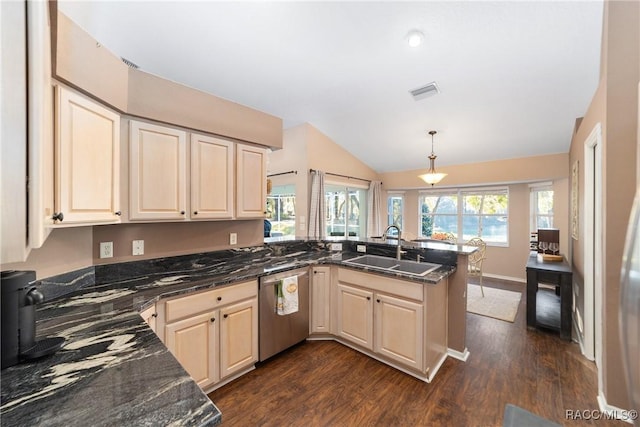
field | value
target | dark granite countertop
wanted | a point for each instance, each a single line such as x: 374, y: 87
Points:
x: 113, y: 370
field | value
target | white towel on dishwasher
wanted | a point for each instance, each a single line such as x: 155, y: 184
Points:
x: 287, y: 296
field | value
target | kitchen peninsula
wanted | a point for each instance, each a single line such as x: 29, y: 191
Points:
x: 113, y: 368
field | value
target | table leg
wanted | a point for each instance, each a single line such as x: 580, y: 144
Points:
x: 565, y: 306
x: 532, y: 289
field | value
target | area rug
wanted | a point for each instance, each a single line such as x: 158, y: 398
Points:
x: 496, y: 303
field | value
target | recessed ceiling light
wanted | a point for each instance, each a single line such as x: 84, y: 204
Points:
x: 415, y: 38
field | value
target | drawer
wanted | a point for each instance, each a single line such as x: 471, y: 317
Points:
x: 401, y: 288
x: 184, y: 306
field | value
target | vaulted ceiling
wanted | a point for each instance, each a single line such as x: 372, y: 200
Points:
x: 513, y: 75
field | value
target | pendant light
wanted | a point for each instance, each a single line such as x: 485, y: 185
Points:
x: 432, y: 177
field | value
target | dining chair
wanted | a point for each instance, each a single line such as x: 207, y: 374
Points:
x: 476, y: 259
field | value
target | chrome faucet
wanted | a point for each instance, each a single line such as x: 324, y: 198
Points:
x: 399, y: 250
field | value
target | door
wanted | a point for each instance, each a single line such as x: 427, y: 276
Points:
x: 157, y: 181
x: 212, y: 177
x: 194, y: 342
x: 399, y: 330
x: 87, y: 160
x: 238, y: 336
x: 355, y: 315
x: 320, y: 300
x: 251, y: 176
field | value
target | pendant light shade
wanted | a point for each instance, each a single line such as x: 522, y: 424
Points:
x: 432, y: 177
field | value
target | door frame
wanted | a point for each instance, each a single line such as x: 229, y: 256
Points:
x: 593, y: 249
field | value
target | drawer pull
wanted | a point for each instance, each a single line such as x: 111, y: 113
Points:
x: 377, y: 300
x: 219, y: 298
x: 154, y: 315
x: 368, y: 298
x: 213, y: 319
x: 225, y: 316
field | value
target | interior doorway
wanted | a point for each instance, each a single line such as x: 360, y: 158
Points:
x: 593, y: 249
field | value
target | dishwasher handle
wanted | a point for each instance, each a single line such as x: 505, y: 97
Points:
x: 271, y: 281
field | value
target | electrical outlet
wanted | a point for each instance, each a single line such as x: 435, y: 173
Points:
x: 106, y: 249
x: 336, y: 246
x: 137, y: 247
x: 233, y: 238
x: 361, y: 248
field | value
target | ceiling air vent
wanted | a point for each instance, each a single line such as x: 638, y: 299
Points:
x: 425, y: 91
x: 129, y: 63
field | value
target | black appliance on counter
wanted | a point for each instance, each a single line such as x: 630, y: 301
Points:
x: 18, y: 316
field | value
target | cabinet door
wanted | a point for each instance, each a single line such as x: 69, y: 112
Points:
x: 399, y: 330
x: 320, y: 300
x: 212, y: 177
x: 251, y: 178
x: 87, y: 160
x: 157, y: 179
x: 238, y: 336
x: 150, y: 316
x: 194, y: 342
x: 355, y: 315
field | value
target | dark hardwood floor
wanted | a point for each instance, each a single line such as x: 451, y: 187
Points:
x: 323, y: 383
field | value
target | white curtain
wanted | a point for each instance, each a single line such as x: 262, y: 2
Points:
x: 317, y: 220
x: 374, y: 202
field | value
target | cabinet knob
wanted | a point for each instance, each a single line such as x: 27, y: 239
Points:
x: 213, y: 319
x: 225, y: 316
x: 219, y: 298
x: 182, y: 212
x: 368, y: 298
x: 59, y: 216
x: 118, y: 213
x: 195, y: 212
x: 154, y: 315
x: 377, y: 300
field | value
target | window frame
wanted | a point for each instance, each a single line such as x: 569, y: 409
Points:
x: 362, y: 221
x: 460, y: 193
x: 534, y: 189
x: 401, y: 196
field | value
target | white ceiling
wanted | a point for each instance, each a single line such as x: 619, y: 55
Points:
x: 513, y: 76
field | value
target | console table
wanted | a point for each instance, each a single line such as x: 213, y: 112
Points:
x: 557, y: 273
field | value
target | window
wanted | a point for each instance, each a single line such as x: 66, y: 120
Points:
x: 281, y: 210
x: 485, y: 215
x: 346, y: 210
x: 395, y: 208
x: 438, y: 214
x: 541, y: 208
x: 466, y: 214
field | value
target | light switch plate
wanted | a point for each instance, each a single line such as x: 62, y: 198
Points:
x: 336, y: 246
x: 361, y: 248
x: 233, y: 238
x: 137, y: 247
x: 106, y: 249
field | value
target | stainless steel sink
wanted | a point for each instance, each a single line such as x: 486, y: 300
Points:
x: 391, y: 264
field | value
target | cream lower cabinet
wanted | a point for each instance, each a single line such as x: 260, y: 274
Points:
x: 400, y: 321
x: 399, y: 332
x: 320, y: 300
x: 214, y: 333
x: 87, y: 159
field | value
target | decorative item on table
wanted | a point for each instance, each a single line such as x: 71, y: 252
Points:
x: 440, y: 236
x: 533, y: 241
x: 549, y: 244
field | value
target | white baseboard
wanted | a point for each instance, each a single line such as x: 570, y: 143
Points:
x: 463, y: 356
x: 498, y: 276
x: 617, y: 413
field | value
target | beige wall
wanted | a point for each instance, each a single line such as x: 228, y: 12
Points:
x: 615, y: 106
x: 506, y: 262
x: 170, y: 239
x: 65, y: 250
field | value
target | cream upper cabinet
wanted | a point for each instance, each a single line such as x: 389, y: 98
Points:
x: 157, y: 178
x: 87, y: 161
x: 194, y: 342
x: 320, y: 300
x: 355, y: 315
x: 251, y: 181
x: 212, y: 177
x: 239, y: 336
x: 399, y: 330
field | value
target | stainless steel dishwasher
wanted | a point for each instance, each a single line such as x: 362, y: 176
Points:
x: 279, y: 332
